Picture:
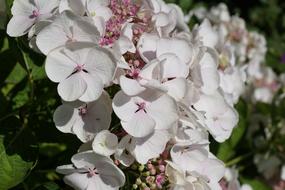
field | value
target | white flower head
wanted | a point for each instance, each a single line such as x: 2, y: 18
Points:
x: 81, y: 69
x: 66, y: 28
x: 92, y: 171
x: 141, y: 115
x: 27, y: 13
x: 84, y: 120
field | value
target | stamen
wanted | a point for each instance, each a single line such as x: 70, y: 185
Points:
x: 141, y: 106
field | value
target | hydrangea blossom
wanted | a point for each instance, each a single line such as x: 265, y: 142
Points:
x: 171, y: 87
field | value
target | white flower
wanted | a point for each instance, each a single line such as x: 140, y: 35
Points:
x: 220, y: 117
x: 142, y: 149
x: 150, y: 46
x: 92, y: 171
x: 27, y: 13
x: 166, y: 75
x: 141, y: 115
x: 105, y: 143
x: 84, y: 120
x: 196, y: 158
x: 123, y: 152
x: 185, y: 180
x: 65, y: 29
x: 81, y: 69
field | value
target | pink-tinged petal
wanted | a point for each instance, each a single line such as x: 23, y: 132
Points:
x: 101, y: 63
x: 140, y: 125
x: 59, y: 66
x: 124, y: 106
x: 72, y: 88
x: 64, y: 118
x: 176, y: 88
x: 145, y: 149
x: 94, y: 88
x: 164, y: 118
x: 130, y: 86
x: 77, y: 180
x: 19, y: 25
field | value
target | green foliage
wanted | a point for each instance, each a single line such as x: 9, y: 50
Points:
x: 13, y: 168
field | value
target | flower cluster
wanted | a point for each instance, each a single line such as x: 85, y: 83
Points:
x: 241, y: 52
x: 243, y: 72
x: 174, y: 87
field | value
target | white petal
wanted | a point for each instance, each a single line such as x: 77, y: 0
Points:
x: 140, y: 125
x: 58, y: 66
x: 97, y: 183
x: 166, y: 117
x: 130, y: 86
x: 176, y: 88
x: 151, y: 146
x: 147, y: 46
x: 94, y: 88
x: 76, y: 6
x: 100, y: 62
x: 22, y: 7
x: 77, y: 180
x: 177, y: 46
x: 123, y: 106
x: 64, y: 118
x: 110, y: 174
x: 72, y: 88
x: 47, y: 7
x: 19, y: 25
x: 105, y: 143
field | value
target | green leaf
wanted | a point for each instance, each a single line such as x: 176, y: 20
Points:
x: 3, y: 14
x: 255, y: 184
x: 225, y: 151
x: 13, y: 169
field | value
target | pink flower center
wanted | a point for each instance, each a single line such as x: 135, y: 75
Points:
x: 79, y: 68
x: 35, y: 14
x: 141, y: 106
x: 92, y: 172
x: 134, y: 73
x: 83, y: 111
